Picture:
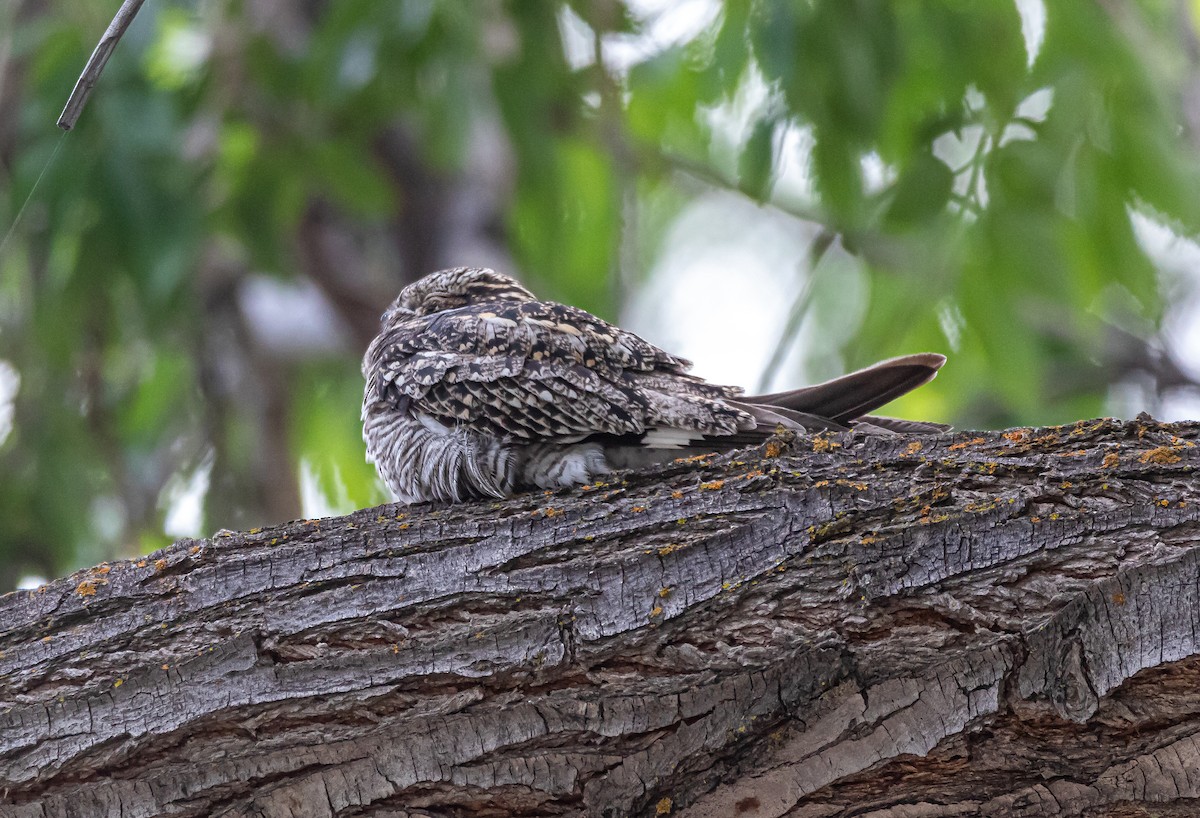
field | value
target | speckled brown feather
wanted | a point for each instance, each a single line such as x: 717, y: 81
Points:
x: 476, y: 388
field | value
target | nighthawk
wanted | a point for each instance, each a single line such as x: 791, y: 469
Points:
x: 475, y: 388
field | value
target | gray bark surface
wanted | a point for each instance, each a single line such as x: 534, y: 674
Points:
x: 980, y: 624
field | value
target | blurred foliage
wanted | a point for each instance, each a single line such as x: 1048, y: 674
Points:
x: 982, y: 173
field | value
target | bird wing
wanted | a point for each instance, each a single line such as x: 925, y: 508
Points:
x: 539, y: 370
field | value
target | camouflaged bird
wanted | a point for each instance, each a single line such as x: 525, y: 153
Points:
x: 475, y: 388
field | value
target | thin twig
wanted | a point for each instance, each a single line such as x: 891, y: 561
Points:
x: 816, y: 251
x: 96, y: 62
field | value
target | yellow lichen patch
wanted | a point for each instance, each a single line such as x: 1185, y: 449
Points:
x: 254, y: 531
x: 656, y: 611
x: 914, y: 447
x: 663, y: 593
x: 160, y: 565
x: 118, y: 682
x: 824, y: 444
x: 712, y: 485
x: 964, y: 444
x: 820, y: 484
x: 1162, y: 503
x: 854, y: 484
x: 1111, y: 461
x: 696, y: 458
x: 669, y: 549
x: 1163, y: 456
x: 773, y: 449
x: 869, y: 539
x: 195, y: 549
x: 677, y: 495
x: 86, y: 588
x: 1066, y: 484
x: 663, y: 807
x: 402, y: 526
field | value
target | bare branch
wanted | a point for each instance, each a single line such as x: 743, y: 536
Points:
x: 95, y: 64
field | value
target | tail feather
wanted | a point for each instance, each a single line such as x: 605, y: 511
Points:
x: 845, y: 399
x: 837, y: 405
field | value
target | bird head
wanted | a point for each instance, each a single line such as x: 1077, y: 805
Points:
x: 453, y: 288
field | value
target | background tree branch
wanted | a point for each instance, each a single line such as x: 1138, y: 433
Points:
x: 999, y: 623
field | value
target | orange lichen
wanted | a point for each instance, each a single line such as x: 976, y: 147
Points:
x: 1118, y: 598
x: 638, y: 509
x: 669, y: 549
x: 773, y: 449
x: 1016, y: 435
x: 1162, y: 456
x: 712, y: 485
x: 663, y: 807
x: 656, y: 611
x: 1111, y: 461
x: 964, y: 444
x: 160, y: 565
x: 914, y: 447
x: 663, y: 593
x: 677, y: 495
x: 195, y: 549
x: 140, y: 564
x: 824, y: 444
x: 86, y: 588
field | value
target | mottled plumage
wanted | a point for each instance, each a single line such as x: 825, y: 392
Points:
x: 477, y: 389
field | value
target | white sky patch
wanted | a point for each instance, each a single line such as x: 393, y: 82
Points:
x: 733, y: 122
x: 578, y: 39
x: 31, y: 582
x: 1178, y: 259
x: 665, y: 23
x: 876, y: 173
x: 1033, y: 27
x: 727, y: 276
x: 795, y: 181
x: 314, y: 501
x: 183, y: 496
x: 10, y: 384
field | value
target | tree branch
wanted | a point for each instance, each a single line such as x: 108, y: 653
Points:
x: 980, y: 624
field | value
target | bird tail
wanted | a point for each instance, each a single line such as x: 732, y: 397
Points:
x: 837, y: 406
x: 848, y: 401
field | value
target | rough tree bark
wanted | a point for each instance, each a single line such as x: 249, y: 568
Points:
x: 977, y: 624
